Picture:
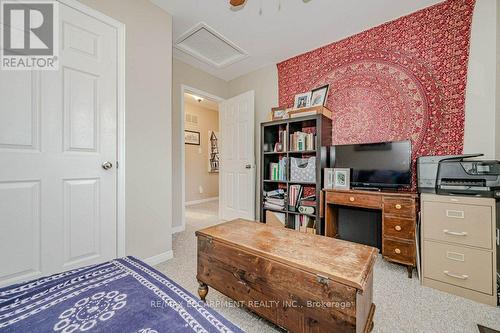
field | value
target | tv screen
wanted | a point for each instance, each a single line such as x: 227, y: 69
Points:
x: 380, y: 165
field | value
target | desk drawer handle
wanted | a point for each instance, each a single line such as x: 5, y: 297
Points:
x: 351, y: 199
x: 453, y: 233
x: 398, y: 206
x: 461, y: 277
x: 397, y: 251
x: 398, y: 228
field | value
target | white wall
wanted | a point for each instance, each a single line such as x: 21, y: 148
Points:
x: 184, y: 74
x: 480, y: 115
x: 265, y: 84
x: 148, y: 124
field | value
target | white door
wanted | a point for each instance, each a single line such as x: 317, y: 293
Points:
x: 237, y: 166
x: 57, y: 128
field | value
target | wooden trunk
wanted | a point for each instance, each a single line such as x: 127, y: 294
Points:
x: 301, y: 282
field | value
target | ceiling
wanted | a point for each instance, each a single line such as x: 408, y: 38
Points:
x: 273, y: 35
x: 205, y: 103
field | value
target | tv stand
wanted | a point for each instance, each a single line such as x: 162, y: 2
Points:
x: 375, y: 189
x: 399, y: 220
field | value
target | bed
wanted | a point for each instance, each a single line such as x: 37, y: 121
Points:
x: 123, y: 295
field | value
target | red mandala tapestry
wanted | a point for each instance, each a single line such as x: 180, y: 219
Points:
x: 405, y: 79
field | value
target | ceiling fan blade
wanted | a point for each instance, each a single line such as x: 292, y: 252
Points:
x: 237, y: 3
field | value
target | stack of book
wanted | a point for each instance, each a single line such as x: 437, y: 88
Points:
x: 294, y: 197
x: 278, y: 170
x: 281, y: 145
x: 274, y: 199
x: 305, y: 223
x: 300, y: 141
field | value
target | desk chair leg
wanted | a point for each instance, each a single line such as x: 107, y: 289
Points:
x: 410, y: 271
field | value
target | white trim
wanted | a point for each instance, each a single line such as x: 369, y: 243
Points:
x: 120, y: 119
x: 178, y: 229
x: 201, y: 93
x: 197, y: 202
x: 159, y: 258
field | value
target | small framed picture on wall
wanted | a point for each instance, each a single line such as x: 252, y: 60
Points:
x: 341, y: 178
x: 319, y: 96
x: 192, y: 138
x: 302, y: 100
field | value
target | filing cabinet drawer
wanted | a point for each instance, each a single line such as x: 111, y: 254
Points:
x: 399, y: 250
x: 399, y: 227
x: 459, y: 266
x: 354, y: 199
x: 458, y: 223
x: 400, y: 207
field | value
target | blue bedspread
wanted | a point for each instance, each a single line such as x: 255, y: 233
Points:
x: 123, y: 295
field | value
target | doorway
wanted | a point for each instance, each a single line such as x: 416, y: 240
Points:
x: 201, y: 150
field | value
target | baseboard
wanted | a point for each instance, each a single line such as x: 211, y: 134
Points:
x: 178, y: 229
x: 196, y: 202
x: 158, y: 259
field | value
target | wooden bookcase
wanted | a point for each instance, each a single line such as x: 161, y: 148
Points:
x: 322, y: 127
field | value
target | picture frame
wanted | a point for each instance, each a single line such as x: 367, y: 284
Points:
x: 213, y: 152
x: 279, y: 113
x: 302, y: 100
x: 192, y: 138
x: 319, y: 95
x: 328, y: 177
x: 341, y: 178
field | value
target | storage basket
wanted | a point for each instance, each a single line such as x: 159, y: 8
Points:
x: 303, y: 170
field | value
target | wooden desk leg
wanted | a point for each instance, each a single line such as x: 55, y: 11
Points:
x: 410, y: 271
x: 331, y: 220
x: 203, y: 291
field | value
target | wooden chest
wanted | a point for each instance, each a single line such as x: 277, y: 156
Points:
x: 301, y: 282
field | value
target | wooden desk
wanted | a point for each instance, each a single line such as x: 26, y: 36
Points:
x: 301, y: 282
x: 399, y: 220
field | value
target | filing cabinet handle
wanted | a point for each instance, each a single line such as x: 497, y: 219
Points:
x: 351, y: 199
x: 398, y: 206
x: 461, y: 277
x: 448, y: 232
x: 398, y: 251
x: 398, y: 228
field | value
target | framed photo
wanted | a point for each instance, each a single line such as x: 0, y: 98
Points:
x: 279, y: 113
x: 319, y: 96
x: 192, y: 138
x: 328, y: 178
x: 302, y: 100
x: 341, y: 178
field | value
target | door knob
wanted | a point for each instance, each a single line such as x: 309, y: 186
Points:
x: 248, y: 166
x: 107, y: 165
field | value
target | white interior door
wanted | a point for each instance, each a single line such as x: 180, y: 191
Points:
x: 57, y: 128
x: 237, y: 162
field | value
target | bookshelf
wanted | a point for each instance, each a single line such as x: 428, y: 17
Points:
x: 277, y: 150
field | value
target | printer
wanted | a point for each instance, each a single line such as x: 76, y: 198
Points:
x: 459, y: 174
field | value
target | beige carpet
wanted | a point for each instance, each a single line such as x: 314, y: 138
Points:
x: 403, y: 305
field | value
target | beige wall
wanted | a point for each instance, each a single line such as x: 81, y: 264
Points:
x: 497, y: 128
x: 196, y: 165
x: 265, y: 84
x: 184, y: 74
x: 148, y: 124
x: 481, y: 81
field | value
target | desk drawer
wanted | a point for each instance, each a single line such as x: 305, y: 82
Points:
x: 354, y: 199
x: 458, y: 223
x: 459, y: 266
x: 399, y: 250
x: 399, y: 227
x: 400, y: 207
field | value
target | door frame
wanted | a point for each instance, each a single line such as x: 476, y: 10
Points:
x: 120, y: 116
x: 201, y: 93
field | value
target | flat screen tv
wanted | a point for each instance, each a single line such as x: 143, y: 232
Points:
x: 375, y: 165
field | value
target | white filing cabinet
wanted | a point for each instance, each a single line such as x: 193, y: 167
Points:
x: 458, y: 236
